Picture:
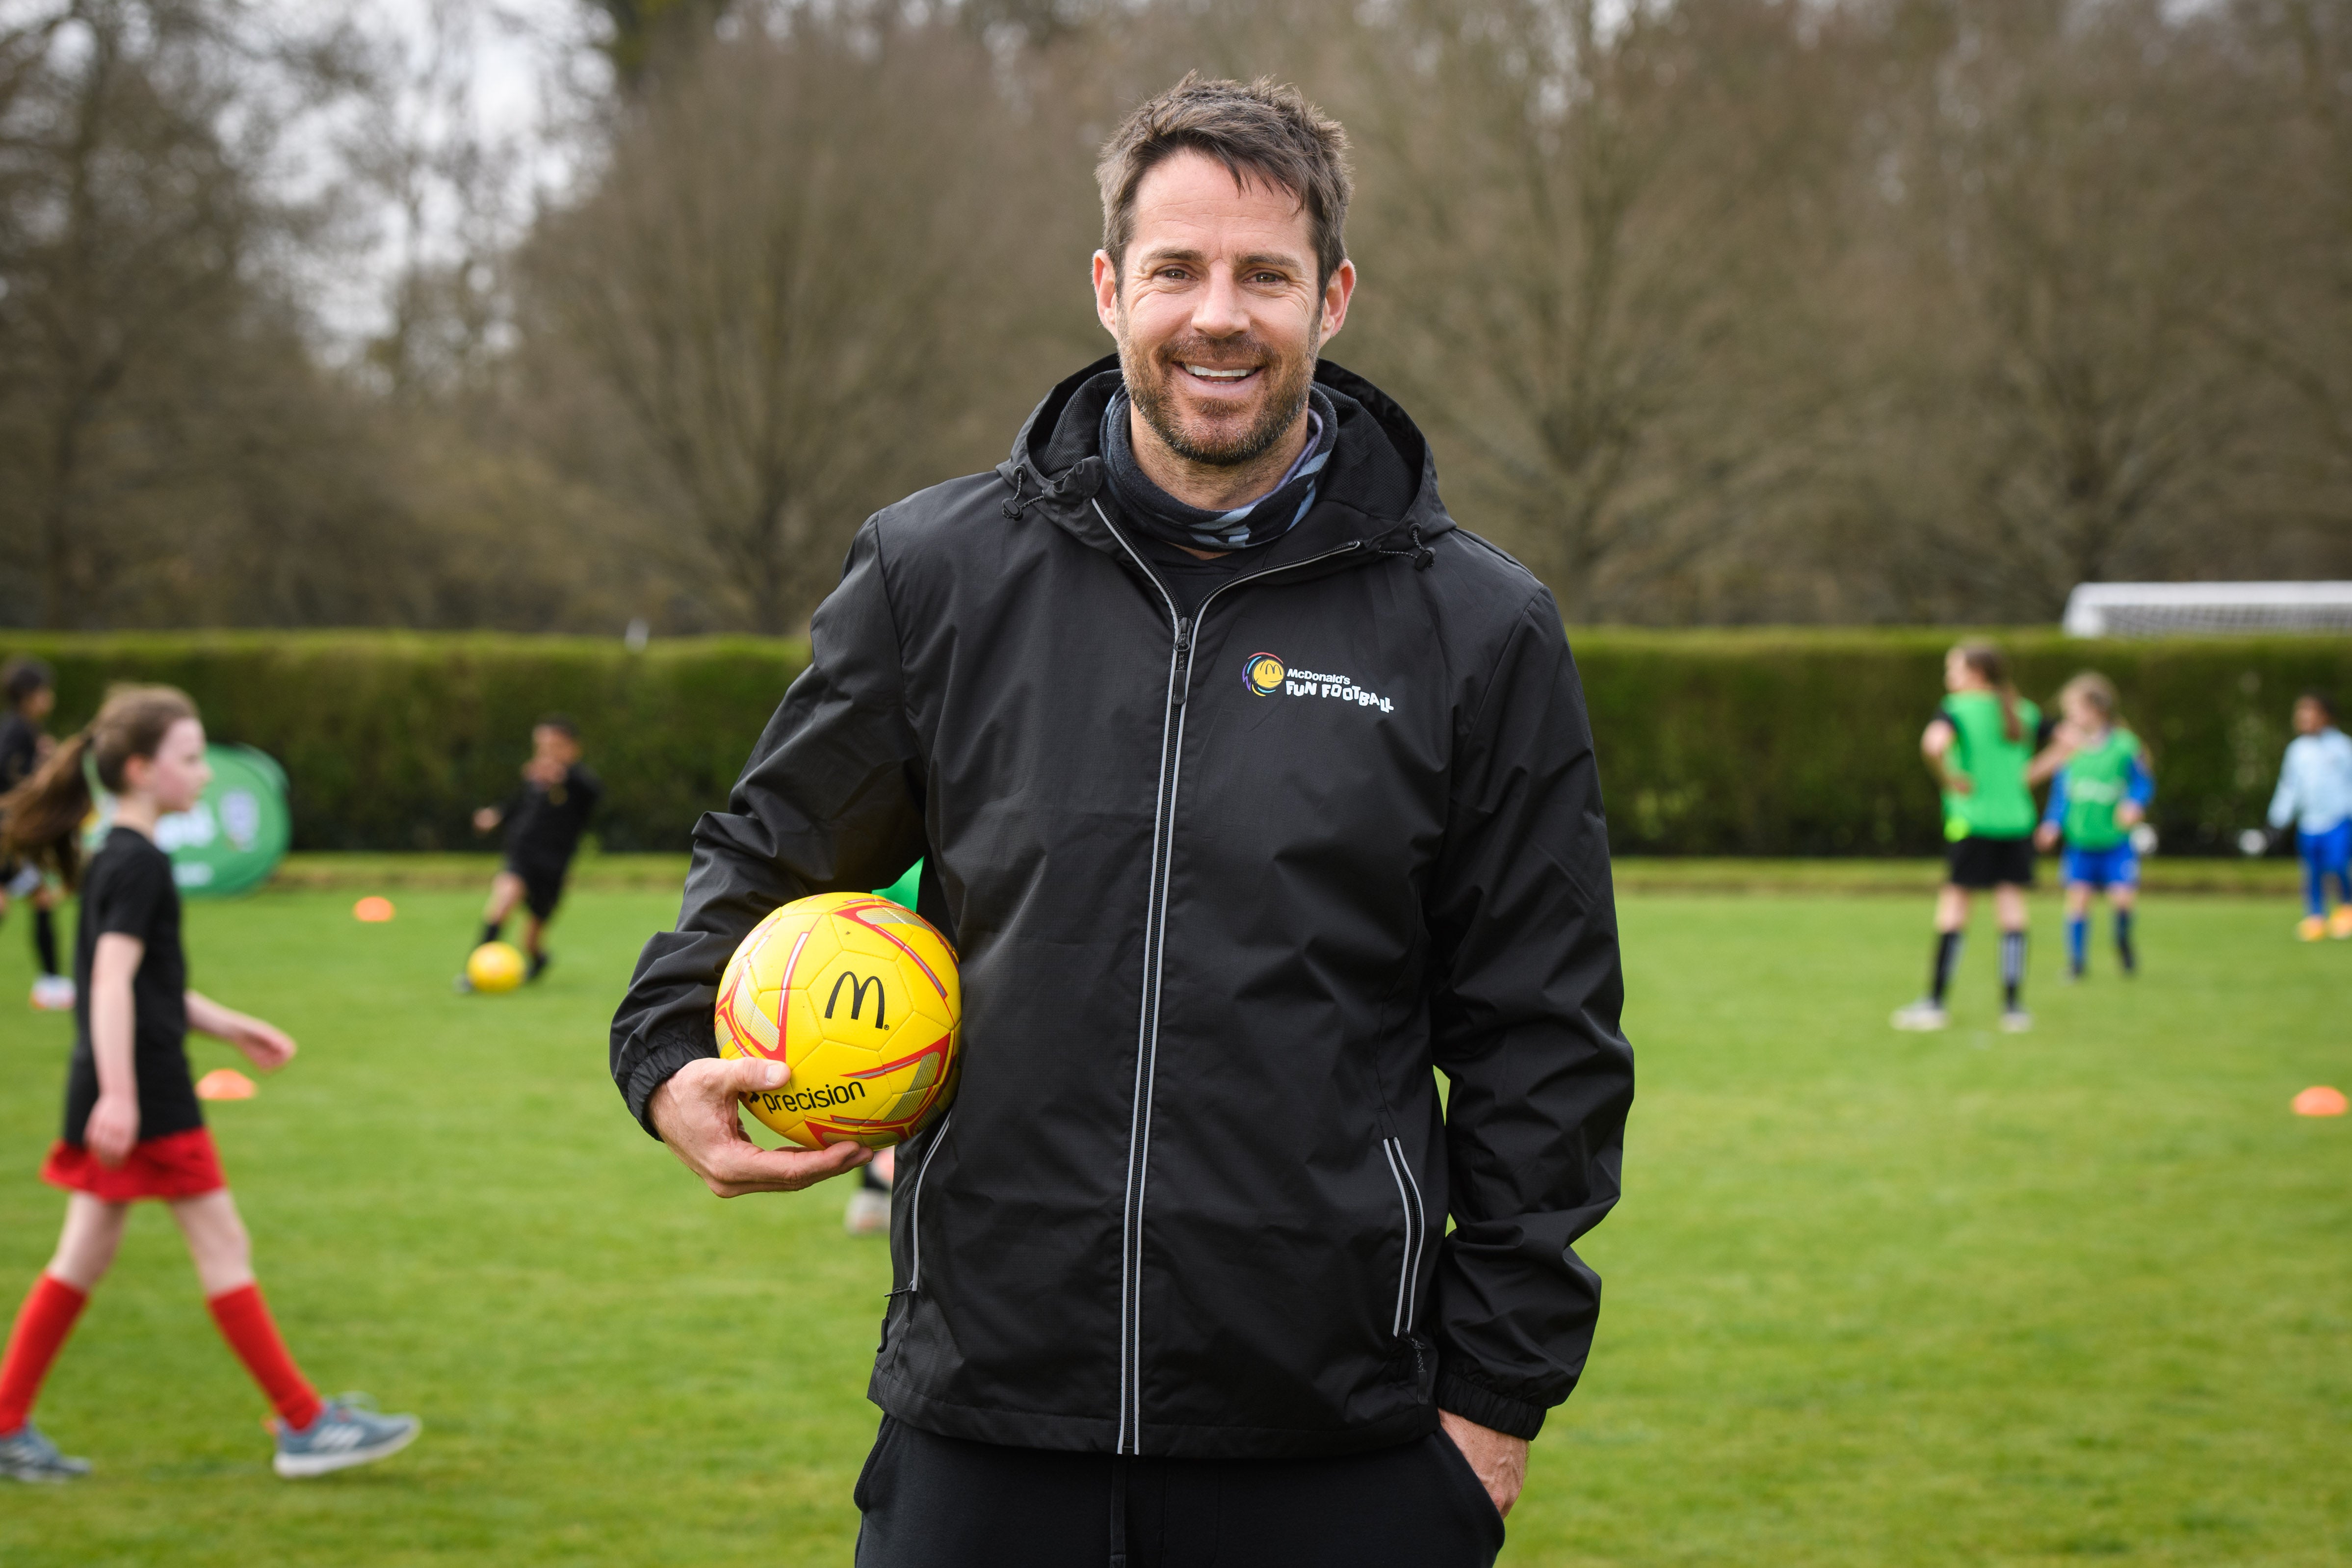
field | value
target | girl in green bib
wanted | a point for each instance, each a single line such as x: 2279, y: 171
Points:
x: 1980, y: 745
x: 2098, y: 795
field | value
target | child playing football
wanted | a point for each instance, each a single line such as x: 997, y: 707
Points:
x: 2314, y: 797
x: 23, y: 747
x: 543, y: 821
x: 1978, y: 745
x: 132, y: 1125
x: 2099, y: 792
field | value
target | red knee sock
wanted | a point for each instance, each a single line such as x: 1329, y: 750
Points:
x: 245, y: 1322
x: 42, y: 1324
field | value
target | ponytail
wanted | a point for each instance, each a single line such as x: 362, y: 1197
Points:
x: 1992, y: 664
x: 40, y: 819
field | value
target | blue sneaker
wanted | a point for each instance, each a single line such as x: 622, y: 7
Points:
x: 27, y: 1456
x: 347, y: 1432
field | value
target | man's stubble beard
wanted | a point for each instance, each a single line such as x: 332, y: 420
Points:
x: 1155, y: 399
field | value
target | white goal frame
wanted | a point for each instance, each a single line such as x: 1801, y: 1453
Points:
x: 2177, y: 609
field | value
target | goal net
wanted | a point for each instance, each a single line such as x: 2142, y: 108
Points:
x: 2172, y: 610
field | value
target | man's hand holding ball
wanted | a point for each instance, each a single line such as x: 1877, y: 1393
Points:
x: 696, y: 1113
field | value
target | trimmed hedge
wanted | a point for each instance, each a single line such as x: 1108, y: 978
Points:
x: 1807, y: 743
x: 391, y: 740
x: 1774, y: 743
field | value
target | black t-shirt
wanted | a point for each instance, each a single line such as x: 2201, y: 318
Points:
x: 1189, y: 579
x: 20, y: 754
x: 20, y: 751
x: 128, y: 891
x: 544, y: 822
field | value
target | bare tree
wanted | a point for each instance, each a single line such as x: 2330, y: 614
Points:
x: 766, y: 283
x: 137, y: 236
x: 1567, y: 213
x: 2278, y: 201
x: 647, y: 35
x: 2093, y: 412
x: 449, y: 191
x: 1715, y: 310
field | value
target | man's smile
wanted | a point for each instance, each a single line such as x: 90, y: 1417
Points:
x: 1217, y: 379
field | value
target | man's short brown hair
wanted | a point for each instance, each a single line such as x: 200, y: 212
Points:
x: 1266, y: 129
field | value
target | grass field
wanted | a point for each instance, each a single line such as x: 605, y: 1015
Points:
x: 1873, y: 1299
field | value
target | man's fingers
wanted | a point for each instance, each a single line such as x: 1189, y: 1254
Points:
x: 749, y: 1075
x: 748, y: 1168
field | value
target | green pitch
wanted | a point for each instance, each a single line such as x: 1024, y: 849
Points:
x: 1873, y: 1298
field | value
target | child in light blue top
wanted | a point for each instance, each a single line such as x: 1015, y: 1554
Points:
x: 2314, y: 796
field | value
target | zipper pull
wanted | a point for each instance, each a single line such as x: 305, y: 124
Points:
x: 1183, y: 659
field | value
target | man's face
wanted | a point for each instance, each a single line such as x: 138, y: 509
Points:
x: 2310, y: 718
x: 1216, y: 311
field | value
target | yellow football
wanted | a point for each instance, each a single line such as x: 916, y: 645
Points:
x: 494, y: 966
x: 860, y: 998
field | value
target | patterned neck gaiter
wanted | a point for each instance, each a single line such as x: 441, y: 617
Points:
x: 1267, y: 519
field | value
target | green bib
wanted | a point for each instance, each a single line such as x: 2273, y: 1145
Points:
x: 2097, y: 779
x: 2001, y: 802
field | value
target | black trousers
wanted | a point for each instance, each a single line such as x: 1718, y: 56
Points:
x: 945, y: 1502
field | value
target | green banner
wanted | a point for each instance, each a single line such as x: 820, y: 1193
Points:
x: 235, y: 835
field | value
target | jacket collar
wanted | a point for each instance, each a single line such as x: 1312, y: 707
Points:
x: 1380, y: 487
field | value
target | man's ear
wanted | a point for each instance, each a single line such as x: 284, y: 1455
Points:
x: 1106, y: 273
x: 1337, y: 289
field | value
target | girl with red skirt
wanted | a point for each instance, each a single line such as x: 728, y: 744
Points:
x: 133, y: 1128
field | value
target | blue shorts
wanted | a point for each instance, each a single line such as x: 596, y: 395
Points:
x: 2117, y: 867
x: 2328, y: 852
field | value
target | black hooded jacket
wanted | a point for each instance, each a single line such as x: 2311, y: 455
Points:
x: 1226, y: 890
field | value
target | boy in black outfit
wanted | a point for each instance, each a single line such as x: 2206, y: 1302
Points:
x: 543, y: 821
x: 24, y: 746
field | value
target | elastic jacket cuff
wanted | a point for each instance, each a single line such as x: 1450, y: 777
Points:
x: 655, y: 1067
x: 1512, y: 1418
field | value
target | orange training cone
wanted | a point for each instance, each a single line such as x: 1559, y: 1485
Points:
x: 2321, y: 1100
x: 225, y: 1083
x: 373, y: 910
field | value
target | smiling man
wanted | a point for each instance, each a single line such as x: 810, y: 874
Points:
x: 1256, y: 795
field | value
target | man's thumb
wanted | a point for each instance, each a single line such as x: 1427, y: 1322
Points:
x: 752, y: 1074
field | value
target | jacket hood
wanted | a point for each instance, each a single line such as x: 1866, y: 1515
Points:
x: 1381, y: 488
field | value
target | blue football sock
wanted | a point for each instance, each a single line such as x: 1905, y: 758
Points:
x: 2078, y: 941
x: 2124, y: 949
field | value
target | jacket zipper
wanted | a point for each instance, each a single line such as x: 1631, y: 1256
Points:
x: 1416, y: 1231
x: 1155, y: 925
x: 915, y: 1220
